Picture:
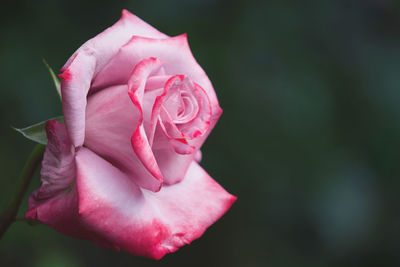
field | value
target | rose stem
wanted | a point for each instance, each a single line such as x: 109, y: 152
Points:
x: 7, y: 216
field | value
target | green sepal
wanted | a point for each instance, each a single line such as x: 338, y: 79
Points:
x: 56, y: 81
x: 37, y: 132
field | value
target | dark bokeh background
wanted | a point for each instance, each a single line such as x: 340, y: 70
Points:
x: 309, y: 139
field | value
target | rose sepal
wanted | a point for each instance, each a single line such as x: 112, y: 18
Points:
x: 37, y: 132
x: 56, y: 81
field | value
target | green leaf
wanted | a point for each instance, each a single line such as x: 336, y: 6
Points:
x: 37, y: 132
x: 56, y: 81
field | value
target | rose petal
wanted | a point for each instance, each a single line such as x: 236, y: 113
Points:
x: 87, y: 61
x: 58, y: 164
x: 200, y: 123
x: 139, y: 141
x: 62, y: 214
x: 174, y: 52
x: 188, y: 208
x: 74, y: 89
x: 146, y: 224
x: 111, y: 119
x: 55, y: 203
x: 107, y: 43
x: 166, y: 103
x: 173, y: 166
x: 173, y: 163
x: 198, y: 156
x: 59, y: 212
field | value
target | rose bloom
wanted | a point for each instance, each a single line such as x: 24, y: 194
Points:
x: 123, y: 172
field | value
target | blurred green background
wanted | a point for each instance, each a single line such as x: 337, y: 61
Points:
x: 309, y: 139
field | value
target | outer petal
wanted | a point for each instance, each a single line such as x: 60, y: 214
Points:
x: 87, y: 61
x: 55, y: 203
x: 107, y: 43
x: 60, y: 213
x: 58, y: 165
x: 75, y: 86
x: 145, y: 223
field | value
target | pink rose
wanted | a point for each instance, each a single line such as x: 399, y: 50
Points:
x: 124, y: 170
